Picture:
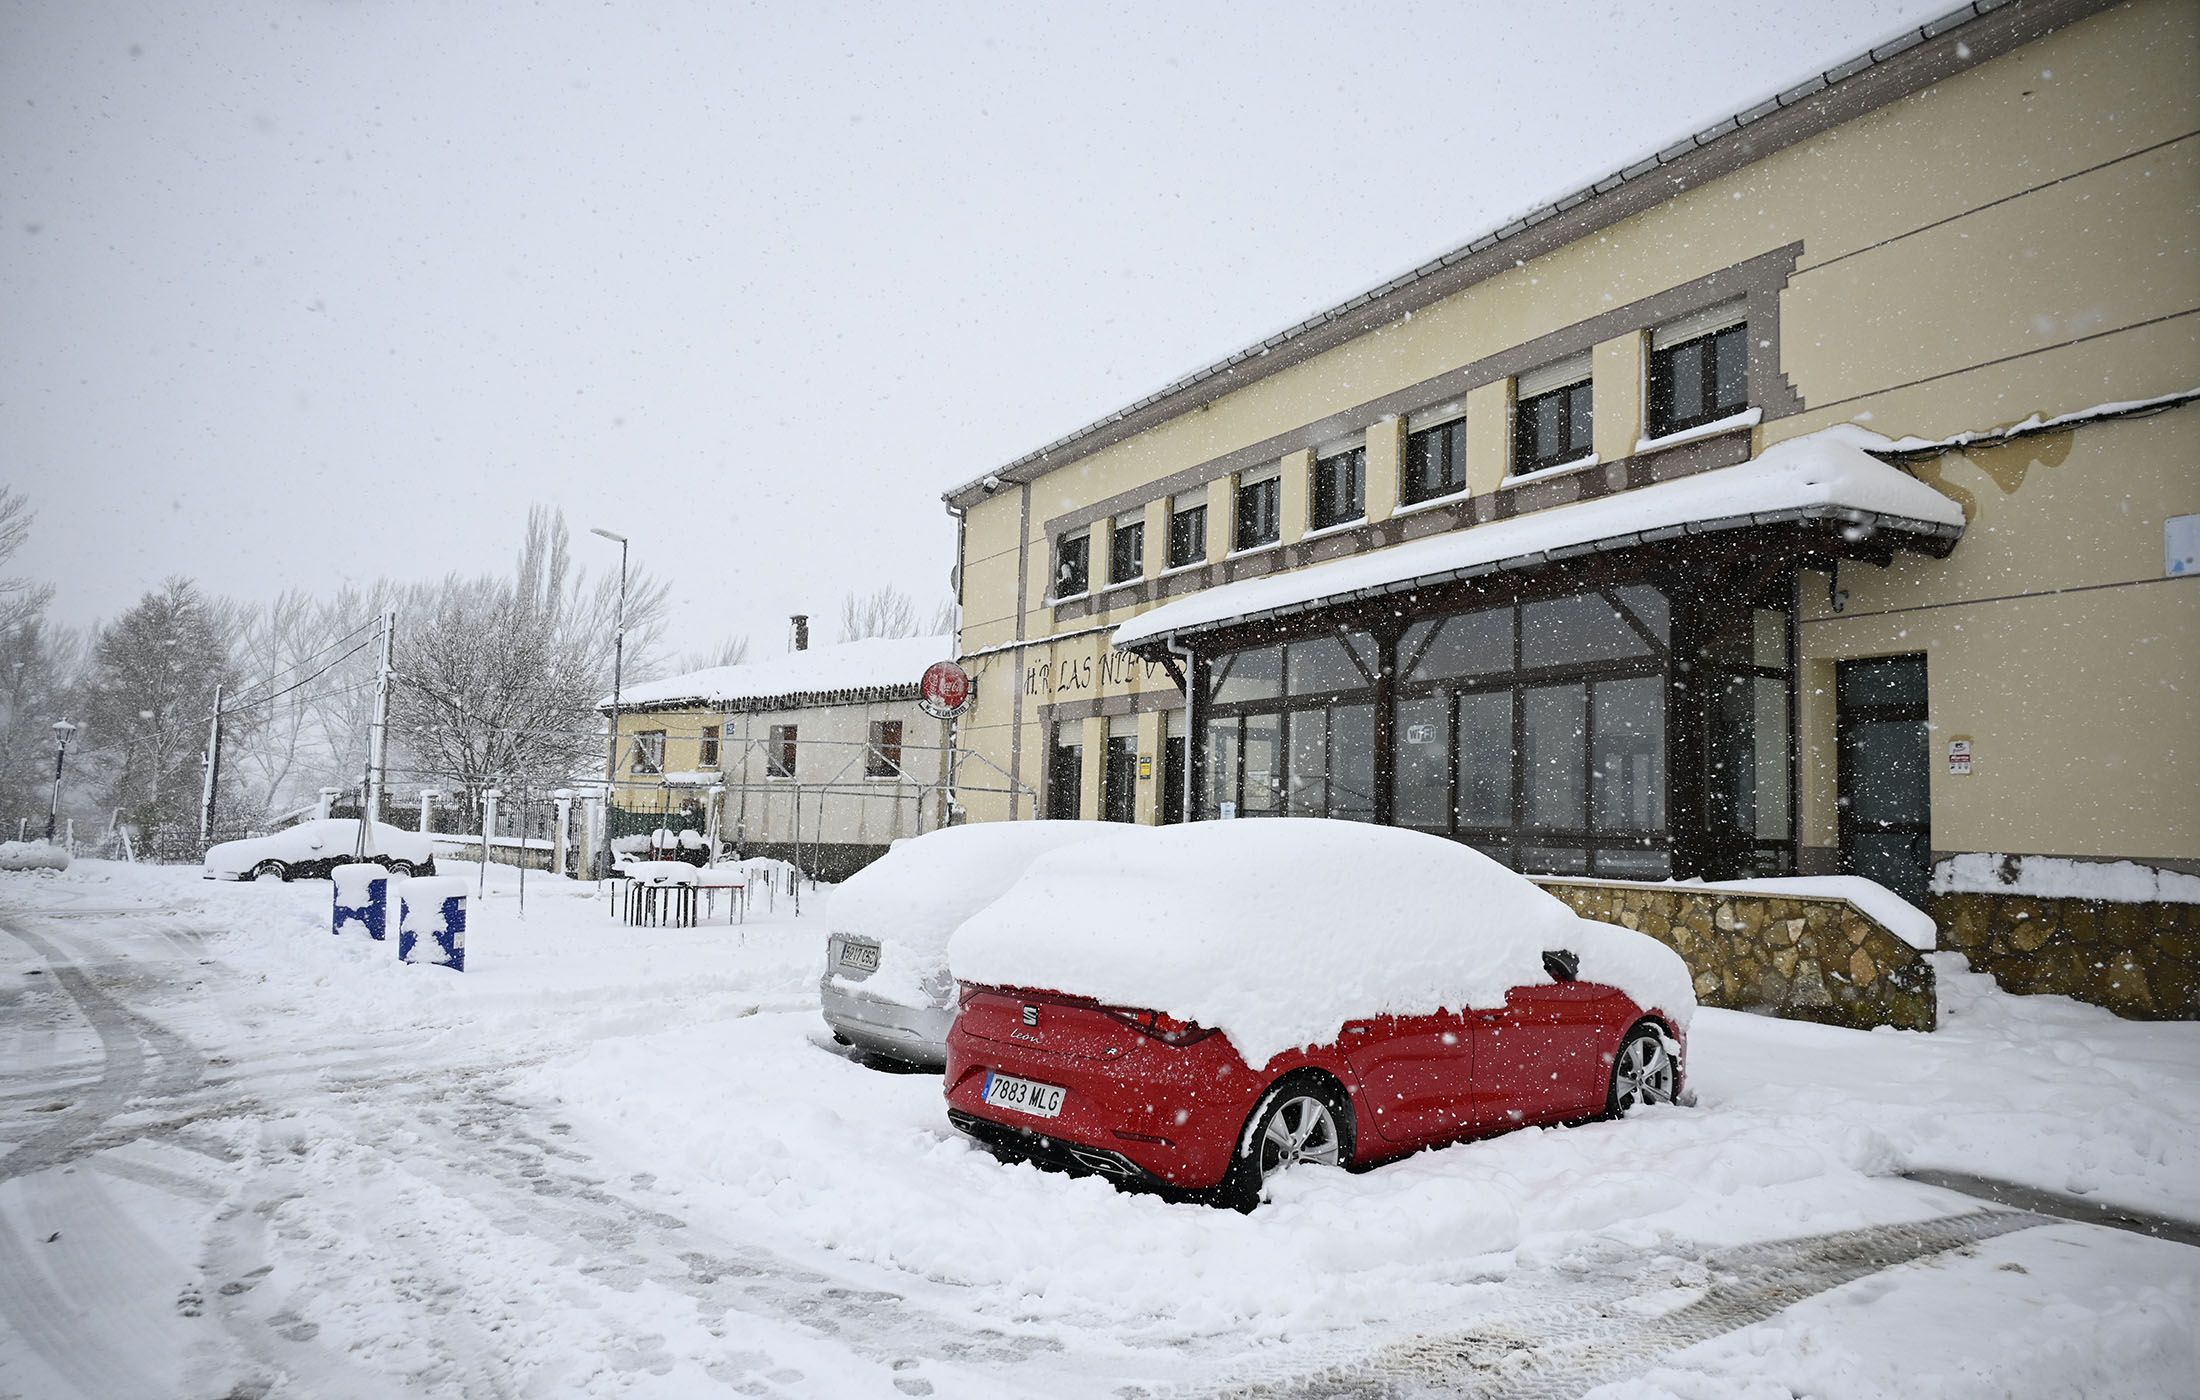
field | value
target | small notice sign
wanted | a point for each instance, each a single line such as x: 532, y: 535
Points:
x: 1959, y: 757
x: 1145, y: 765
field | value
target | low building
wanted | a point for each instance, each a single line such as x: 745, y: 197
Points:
x: 821, y: 757
x: 1814, y: 495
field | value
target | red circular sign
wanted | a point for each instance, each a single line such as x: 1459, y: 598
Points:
x: 945, y: 691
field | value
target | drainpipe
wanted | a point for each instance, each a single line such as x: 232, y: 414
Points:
x: 1195, y: 761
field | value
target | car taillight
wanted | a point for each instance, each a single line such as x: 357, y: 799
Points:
x: 967, y: 993
x: 1164, y: 1028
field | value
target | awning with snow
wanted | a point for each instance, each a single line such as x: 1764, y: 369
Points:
x: 1828, y: 478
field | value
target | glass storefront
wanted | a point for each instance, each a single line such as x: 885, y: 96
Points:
x: 1540, y: 730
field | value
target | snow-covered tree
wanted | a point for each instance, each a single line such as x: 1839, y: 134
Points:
x: 147, y: 698
x: 732, y: 651
x: 889, y: 611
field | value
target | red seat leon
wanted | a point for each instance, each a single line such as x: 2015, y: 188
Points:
x: 1138, y: 1096
x: 1256, y: 1019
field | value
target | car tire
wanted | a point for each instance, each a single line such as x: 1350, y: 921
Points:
x: 1306, y: 1119
x: 271, y: 870
x: 402, y: 869
x: 1644, y: 1071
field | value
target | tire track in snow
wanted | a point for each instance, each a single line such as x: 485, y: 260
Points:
x: 1575, y: 1334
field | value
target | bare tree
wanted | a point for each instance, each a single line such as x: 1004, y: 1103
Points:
x: 731, y: 651
x: 20, y: 599
x: 889, y: 611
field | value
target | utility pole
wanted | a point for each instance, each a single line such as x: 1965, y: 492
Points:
x: 618, y: 676
x: 213, y: 770
x: 378, y: 733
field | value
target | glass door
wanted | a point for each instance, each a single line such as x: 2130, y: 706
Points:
x: 1885, y: 787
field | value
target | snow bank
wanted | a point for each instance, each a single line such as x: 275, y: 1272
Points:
x: 2053, y: 877
x: 912, y: 898
x: 32, y: 855
x: 1276, y: 932
x: 1827, y: 471
x: 872, y: 664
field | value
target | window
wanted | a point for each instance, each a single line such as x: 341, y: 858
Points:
x: 1552, y: 428
x: 1259, y: 510
x: 1127, y: 549
x: 1073, y: 566
x: 1699, y: 381
x: 779, y: 754
x: 708, y: 757
x: 885, y: 756
x: 649, y: 752
x: 1340, y: 488
x: 1436, y: 462
x: 1291, y: 729
x: 1187, y: 535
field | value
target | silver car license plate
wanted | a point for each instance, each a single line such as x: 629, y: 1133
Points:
x: 859, y: 957
x: 1039, y: 1100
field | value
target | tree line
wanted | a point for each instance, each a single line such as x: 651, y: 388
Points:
x: 497, y: 679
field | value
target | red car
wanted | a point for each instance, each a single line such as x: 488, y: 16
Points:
x: 1184, y: 1008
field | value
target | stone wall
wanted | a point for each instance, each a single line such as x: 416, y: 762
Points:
x: 1803, y: 958
x: 2138, y: 960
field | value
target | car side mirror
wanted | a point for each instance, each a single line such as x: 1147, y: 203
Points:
x: 1563, y: 966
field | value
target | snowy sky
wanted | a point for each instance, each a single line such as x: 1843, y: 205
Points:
x: 298, y: 292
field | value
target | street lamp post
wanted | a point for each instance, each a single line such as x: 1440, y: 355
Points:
x: 618, y: 676
x: 62, y: 729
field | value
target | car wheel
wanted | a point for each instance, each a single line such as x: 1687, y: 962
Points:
x: 402, y: 869
x: 270, y: 870
x: 1642, y: 1072
x: 1300, y: 1120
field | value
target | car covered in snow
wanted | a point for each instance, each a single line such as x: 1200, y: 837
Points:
x: 1206, y: 1006
x: 311, y: 849
x: 886, y: 988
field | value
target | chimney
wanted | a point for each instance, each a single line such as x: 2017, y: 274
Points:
x: 801, y: 632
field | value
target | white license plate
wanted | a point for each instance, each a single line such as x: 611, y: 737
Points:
x: 1039, y: 1100
x: 861, y: 956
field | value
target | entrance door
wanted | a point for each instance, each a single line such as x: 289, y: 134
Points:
x: 1119, y: 784
x: 1885, y: 791
x: 1172, y: 779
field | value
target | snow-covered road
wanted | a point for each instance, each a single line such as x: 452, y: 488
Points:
x: 241, y: 1157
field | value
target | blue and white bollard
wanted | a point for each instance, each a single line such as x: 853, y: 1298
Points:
x: 362, y: 898
x: 432, y: 927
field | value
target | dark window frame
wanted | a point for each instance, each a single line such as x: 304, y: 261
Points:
x: 1444, y: 442
x: 1073, y: 565
x: 1187, y: 536
x: 882, y: 759
x: 648, y: 757
x: 1259, y: 513
x: 782, y: 751
x: 1287, y: 710
x: 1064, y: 777
x: 1574, y: 406
x: 1126, y: 552
x: 1667, y: 416
x: 706, y: 751
x: 1339, y: 489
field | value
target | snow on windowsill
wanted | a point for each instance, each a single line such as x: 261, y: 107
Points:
x: 2056, y: 877
x: 1055, y: 602
x: 1337, y: 529
x: 1449, y: 498
x: 1256, y: 549
x: 1747, y: 418
x: 1562, y: 469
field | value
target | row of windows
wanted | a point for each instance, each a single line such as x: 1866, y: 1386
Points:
x: 1695, y: 381
x: 882, y: 757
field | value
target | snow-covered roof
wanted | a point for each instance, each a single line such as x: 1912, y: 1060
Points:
x: 800, y: 677
x: 1817, y: 102
x: 1826, y: 476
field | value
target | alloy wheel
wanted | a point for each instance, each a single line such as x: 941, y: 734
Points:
x: 1302, y: 1128
x: 1644, y: 1072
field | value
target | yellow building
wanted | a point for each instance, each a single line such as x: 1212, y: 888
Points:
x: 1816, y: 494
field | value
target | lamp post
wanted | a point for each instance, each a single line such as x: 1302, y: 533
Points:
x: 618, y: 674
x: 62, y: 729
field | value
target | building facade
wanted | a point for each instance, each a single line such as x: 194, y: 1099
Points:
x: 1816, y: 495
x: 820, y: 757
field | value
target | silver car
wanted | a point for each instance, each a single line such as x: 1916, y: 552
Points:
x: 886, y: 987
